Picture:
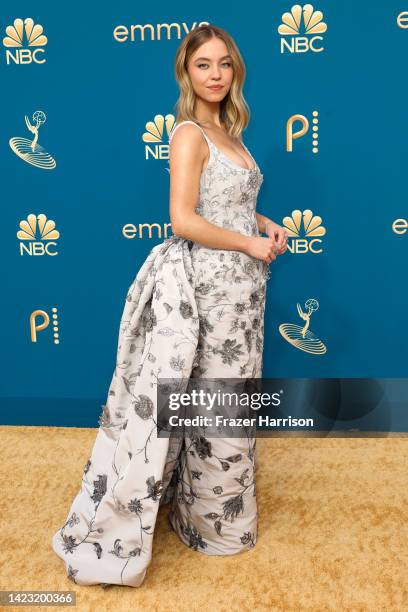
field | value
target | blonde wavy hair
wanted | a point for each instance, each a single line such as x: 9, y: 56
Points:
x: 234, y: 110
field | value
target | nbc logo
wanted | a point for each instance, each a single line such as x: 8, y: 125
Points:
x: 305, y: 230
x: 154, y: 136
x: 298, y: 37
x: 25, y: 34
x: 38, y: 236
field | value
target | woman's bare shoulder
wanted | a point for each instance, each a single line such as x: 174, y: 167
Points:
x: 187, y: 143
x: 187, y: 132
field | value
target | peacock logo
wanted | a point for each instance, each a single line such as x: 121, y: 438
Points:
x: 157, y: 136
x: 304, y: 231
x: 22, y: 35
x: 301, y: 337
x: 29, y: 150
x: 301, y: 30
x: 37, y: 236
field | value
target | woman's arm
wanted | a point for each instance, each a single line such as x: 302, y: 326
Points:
x: 273, y: 230
x: 188, y: 150
x: 262, y: 222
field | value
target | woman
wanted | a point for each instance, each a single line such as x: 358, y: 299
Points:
x: 194, y: 312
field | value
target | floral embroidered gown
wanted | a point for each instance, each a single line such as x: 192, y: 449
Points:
x: 192, y: 312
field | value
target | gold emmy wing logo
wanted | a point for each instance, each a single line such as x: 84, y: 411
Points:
x: 25, y: 34
x: 155, y: 136
x: 292, y: 135
x: 309, y: 226
x: 301, y: 337
x: 38, y: 236
x: 29, y: 150
x: 38, y: 325
x: 298, y: 37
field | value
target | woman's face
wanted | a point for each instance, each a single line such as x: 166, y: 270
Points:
x: 211, y: 65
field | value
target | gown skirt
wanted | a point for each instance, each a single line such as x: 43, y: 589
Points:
x: 190, y: 313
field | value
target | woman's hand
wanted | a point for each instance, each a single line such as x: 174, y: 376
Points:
x: 261, y: 248
x: 278, y: 234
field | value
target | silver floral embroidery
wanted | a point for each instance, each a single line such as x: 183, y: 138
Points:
x: 191, y: 311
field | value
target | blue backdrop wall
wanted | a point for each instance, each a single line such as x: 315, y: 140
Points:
x: 93, y: 81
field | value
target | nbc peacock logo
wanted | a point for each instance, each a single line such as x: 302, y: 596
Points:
x: 29, y: 150
x: 25, y: 42
x: 304, y: 231
x: 156, y: 137
x: 301, y: 30
x: 37, y: 236
x: 300, y: 336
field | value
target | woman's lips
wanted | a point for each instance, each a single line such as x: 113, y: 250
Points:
x: 216, y: 88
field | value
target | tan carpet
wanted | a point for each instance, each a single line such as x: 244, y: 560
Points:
x: 333, y: 530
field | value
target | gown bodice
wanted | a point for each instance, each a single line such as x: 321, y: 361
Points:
x: 228, y: 192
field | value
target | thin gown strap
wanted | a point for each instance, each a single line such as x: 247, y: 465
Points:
x: 189, y: 121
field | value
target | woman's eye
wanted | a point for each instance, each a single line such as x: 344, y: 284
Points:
x: 224, y: 64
